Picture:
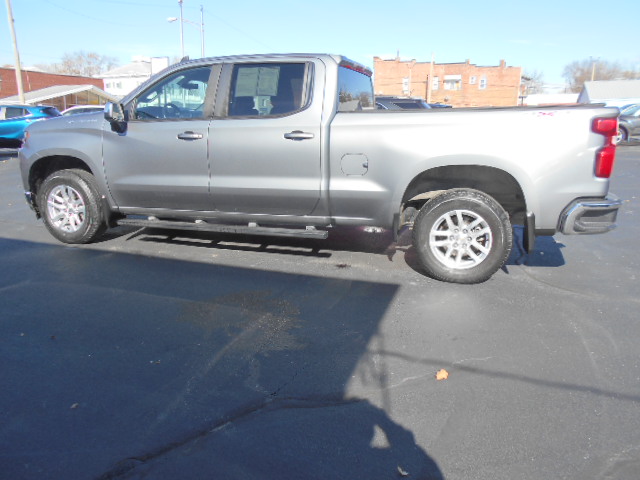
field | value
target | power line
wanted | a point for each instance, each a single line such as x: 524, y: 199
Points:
x: 122, y: 2
x: 88, y: 16
x: 207, y: 13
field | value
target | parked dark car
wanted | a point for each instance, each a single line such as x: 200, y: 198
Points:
x: 14, y: 119
x: 439, y: 105
x: 401, y: 103
x: 629, y: 123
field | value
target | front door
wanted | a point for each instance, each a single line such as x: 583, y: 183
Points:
x: 161, y: 161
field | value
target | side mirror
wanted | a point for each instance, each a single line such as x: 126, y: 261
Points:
x: 114, y: 114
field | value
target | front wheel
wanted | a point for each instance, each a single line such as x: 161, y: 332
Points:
x: 462, y: 236
x: 70, y: 205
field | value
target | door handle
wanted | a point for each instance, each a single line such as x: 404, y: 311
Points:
x: 298, y: 135
x: 190, y: 136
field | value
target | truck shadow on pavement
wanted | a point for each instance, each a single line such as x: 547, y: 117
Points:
x: 128, y: 366
x: 547, y: 251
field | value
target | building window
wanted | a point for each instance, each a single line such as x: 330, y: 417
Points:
x: 405, y: 86
x: 472, y: 80
x: 436, y: 83
x: 483, y: 82
x: 452, y: 85
x: 453, y: 82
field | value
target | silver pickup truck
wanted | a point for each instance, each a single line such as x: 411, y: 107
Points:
x: 292, y: 145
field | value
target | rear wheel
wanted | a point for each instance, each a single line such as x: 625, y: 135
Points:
x: 462, y: 236
x: 71, y: 207
x: 623, y: 136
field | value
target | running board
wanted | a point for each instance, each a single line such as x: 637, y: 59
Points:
x: 202, y: 226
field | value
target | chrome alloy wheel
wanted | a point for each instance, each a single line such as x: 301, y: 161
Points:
x: 66, y: 208
x: 460, y: 239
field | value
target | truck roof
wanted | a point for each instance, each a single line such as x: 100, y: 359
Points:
x: 339, y: 59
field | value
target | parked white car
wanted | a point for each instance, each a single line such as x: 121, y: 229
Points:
x: 82, y: 109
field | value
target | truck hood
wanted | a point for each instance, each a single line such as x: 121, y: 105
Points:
x: 72, y: 122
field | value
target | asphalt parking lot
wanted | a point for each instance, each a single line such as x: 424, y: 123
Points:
x: 164, y: 355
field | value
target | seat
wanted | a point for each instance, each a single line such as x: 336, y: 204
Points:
x: 282, y: 105
x: 242, y: 106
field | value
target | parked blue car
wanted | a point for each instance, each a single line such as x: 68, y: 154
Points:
x: 14, y: 119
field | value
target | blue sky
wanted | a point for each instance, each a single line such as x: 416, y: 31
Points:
x: 541, y: 36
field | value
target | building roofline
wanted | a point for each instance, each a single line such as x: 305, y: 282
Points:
x: 41, y: 95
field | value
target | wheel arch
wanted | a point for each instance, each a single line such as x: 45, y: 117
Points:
x: 45, y: 166
x: 497, y: 183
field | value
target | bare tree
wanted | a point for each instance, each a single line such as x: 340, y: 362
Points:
x: 578, y: 72
x: 532, y: 81
x: 83, y: 63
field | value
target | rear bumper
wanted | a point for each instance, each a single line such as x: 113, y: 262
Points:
x: 590, y: 215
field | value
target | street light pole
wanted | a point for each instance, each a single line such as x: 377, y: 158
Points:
x: 202, y: 31
x: 181, y: 29
x: 183, y: 21
x: 16, y: 54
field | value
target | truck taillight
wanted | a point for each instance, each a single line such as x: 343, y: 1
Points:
x: 606, y: 156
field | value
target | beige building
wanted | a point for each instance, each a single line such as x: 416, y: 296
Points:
x: 122, y: 80
x: 457, y: 84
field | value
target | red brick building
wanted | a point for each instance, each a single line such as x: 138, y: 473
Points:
x: 457, y: 84
x: 37, y: 80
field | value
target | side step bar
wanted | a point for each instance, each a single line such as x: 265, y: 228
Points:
x: 202, y: 226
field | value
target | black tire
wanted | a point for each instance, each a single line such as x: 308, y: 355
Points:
x: 449, y: 251
x: 623, y: 136
x: 70, y: 206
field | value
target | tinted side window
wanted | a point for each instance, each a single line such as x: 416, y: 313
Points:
x: 355, y: 91
x: 267, y: 89
x: 13, y: 112
x: 180, y: 95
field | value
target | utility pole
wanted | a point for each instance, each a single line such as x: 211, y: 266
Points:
x: 16, y: 54
x: 593, y: 67
x: 430, y: 78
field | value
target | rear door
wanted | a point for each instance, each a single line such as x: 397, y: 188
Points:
x: 266, y: 138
